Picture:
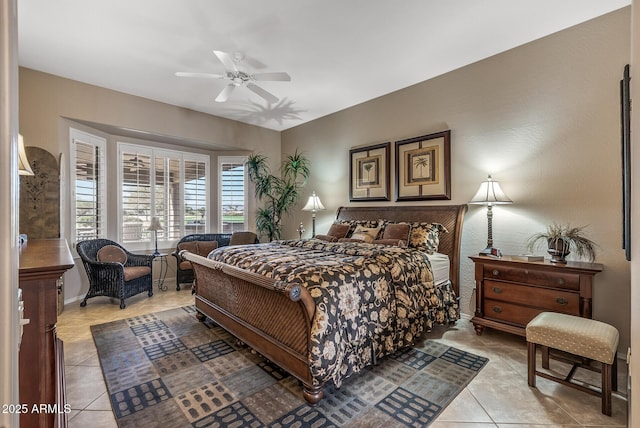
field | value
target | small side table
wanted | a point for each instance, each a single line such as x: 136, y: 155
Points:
x: 164, y: 267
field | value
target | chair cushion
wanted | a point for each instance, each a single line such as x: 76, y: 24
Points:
x: 191, y: 246
x: 242, y: 238
x: 112, y: 254
x: 185, y: 265
x: 576, y: 335
x: 133, y: 272
x: 205, y: 247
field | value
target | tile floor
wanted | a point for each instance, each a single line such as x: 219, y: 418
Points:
x: 498, y: 397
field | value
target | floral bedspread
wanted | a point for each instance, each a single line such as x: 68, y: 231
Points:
x: 371, y: 300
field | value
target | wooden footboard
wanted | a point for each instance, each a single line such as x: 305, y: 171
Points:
x: 272, y: 317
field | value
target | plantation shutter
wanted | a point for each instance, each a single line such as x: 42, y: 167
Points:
x: 136, y: 195
x: 88, y: 189
x: 232, y: 195
x: 195, y: 196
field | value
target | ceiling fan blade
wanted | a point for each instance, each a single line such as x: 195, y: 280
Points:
x: 205, y: 75
x: 224, y: 94
x: 263, y: 93
x: 226, y: 60
x: 276, y: 76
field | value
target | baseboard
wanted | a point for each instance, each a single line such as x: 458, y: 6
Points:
x: 167, y: 281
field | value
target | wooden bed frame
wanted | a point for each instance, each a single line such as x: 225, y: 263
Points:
x: 275, y: 318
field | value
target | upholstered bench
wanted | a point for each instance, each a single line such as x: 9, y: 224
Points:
x: 582, y: 337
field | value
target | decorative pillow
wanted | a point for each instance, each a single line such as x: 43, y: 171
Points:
x: 426, y: 236
x: 393, y: 242
x: 397, y: 231
x: 367, y: 234
x: 353, y: 224
x: 350, y: 240
x: 328, y: 238
x: 205, y: 247
x: 338, y: 230
x: 111, y: 253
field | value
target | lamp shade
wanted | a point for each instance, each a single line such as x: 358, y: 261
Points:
x: 155, y: 224
x: 23, y: 163
x: 313, y: 204
x: 490, y: 193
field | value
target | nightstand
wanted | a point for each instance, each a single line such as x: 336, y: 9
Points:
x: 510, y: 293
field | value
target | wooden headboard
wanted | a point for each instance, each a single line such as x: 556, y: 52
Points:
x: 450, y: 216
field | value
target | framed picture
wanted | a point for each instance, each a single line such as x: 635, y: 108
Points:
x: 625, y: 125
x: 369, y: 172
x: 423, y: 167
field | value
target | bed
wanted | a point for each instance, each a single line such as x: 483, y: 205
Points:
x: 323, y: 311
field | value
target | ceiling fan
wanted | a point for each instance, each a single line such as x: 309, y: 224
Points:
x: 238, y: 77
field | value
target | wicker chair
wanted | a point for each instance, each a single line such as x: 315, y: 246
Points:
x: 184, y: 271
x: 113, y: 278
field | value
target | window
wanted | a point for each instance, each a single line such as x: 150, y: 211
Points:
x: 167, y: 184
x: 88, y: 186
x: 233, y: 198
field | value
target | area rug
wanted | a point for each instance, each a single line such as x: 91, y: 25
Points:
x: 167, y: 369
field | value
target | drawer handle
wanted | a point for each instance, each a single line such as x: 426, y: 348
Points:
x: 562, y: 301
x: 496, y: 309
x: 561, y: 281
x: 495, y: 272
x: 497, y: 290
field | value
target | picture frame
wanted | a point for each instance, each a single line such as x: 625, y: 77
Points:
x: 625, y: 125
x: 423, y: 167
x: 369, y: 173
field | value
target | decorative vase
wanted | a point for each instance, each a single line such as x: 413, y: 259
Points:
x: 559, y: 249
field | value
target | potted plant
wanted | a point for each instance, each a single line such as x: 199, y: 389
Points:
x: 561, y: 240
x: 279, y: 194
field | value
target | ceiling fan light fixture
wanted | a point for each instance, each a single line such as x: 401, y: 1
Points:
x: 237, y: 77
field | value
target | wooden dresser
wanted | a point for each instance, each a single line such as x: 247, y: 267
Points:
x: 510, y: 293
x: 42, y: 263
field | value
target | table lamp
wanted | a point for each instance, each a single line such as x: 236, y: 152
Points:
x: 490, y: 193
x: 313, y: 205
x: 155, y: 226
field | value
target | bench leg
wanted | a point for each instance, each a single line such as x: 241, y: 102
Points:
x: 606, y: 388
x: 531, y: 363
x: 614, y: 375
x: 545, y: 357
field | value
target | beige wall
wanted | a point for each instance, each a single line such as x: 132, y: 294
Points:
x: 50, y: 104
x: 543, y: 119
x: 634, y: 366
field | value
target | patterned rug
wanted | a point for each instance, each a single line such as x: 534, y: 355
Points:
x: 167, y: 369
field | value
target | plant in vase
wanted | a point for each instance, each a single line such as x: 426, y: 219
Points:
x: 561, y: 240
x: 279, y: 194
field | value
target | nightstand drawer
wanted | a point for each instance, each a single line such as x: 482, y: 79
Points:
x: 508, y: 312
x: 544, y: 298
x: 546, y: 278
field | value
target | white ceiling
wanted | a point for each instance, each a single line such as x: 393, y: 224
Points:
x: 338, y: 53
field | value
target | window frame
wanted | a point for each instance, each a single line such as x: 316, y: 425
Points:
x: 154, y: 153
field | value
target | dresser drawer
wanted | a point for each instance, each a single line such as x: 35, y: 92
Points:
x: 510, y: 312
x: 569, y: 281
x: 544, y: 298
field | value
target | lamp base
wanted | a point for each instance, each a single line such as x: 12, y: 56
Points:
x: 491, y: 251
x: 156, y: 253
